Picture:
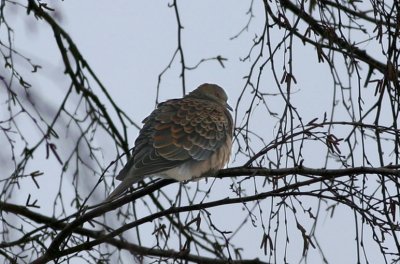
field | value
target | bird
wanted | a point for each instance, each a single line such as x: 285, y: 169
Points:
x: 182, y: 139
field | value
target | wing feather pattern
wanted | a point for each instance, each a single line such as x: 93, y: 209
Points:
x: 177, y: 131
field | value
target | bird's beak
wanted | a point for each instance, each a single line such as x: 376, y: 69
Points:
x: 229, y: 107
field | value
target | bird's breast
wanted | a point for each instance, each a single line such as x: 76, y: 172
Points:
x: 193, y: 169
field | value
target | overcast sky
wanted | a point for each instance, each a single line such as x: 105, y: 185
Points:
x: 128, y: 44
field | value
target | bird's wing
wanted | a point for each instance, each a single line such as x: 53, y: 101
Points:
x: 177, y: 131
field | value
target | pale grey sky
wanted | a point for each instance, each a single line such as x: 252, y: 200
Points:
x: 128, y: 43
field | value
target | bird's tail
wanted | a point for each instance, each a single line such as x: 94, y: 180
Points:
x: 122, y: 187
x: 127, y: 177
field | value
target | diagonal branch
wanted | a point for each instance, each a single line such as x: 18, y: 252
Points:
x: 324, y: 175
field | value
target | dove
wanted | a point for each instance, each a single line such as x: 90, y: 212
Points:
x: 182, y: 139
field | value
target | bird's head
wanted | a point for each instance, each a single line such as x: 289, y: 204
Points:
x: 211, y: 92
